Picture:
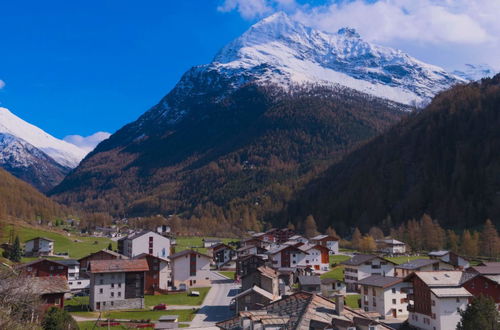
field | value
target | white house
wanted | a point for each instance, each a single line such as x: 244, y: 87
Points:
x: 331, y: 287
x: 331, y: 243
x: 190, y: 269
x: 385, y: 295
x: 209, y: 242
x: 361, y: 266
x: 285, y: 256
x: 436, y: 299
x: 450, y: 257
x: 117, y: 284
x: 76, y: 281
x: 148, y: 242
x: 222, y: 254
x: 39, y: 246
x: 391, y: 246
x: 315, y: 256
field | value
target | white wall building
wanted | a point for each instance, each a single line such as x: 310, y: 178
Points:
x: 76, y: 281
x: 147, y: 242
x: 315, y: 256
x: 190, y: 269
x: 385, y: 295
x: 117, y: 284
x: 391, y: 246
x: 331, y: 243
x: 361, y: 266
x: 450, y: 257
x: 39, y: 246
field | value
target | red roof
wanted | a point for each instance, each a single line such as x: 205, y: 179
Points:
x: 119, y: 266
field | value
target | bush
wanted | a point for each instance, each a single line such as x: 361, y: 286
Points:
x: 58, y: 319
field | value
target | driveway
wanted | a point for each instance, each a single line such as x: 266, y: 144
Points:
x: 215, y: 308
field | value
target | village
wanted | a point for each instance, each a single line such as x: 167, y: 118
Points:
x: 276, y: 279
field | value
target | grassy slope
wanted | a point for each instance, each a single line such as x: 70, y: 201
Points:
x: 196, y: 243
x: 62, y: 242
x: 178, y: 298
x: 404, y: 259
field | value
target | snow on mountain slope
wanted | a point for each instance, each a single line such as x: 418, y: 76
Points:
x: 299, y: 54
x: 87, y: 143
x: 64, y: 153
x: 473, y: 72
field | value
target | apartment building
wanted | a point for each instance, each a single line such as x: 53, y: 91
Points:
x: 385, y: 295
x: 361, y: 266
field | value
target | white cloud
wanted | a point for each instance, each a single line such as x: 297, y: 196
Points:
x: 445, y: 32
x: 248, y: 9
x: 2, y: 84
x: 87, y: 143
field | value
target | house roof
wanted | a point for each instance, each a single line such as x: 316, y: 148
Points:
x: 329, y: 280
x: 321, y: 237
x: 47, y: 284
x: 40, y: 237
x: 34, y: 262
x: 257, y: 290
x: 359, y: 259
x: 220, y: 245
x: 390, y: 241
x: 185, y: 252
x: 494, y: 278
x: 309, y: 280
x: 294, y: 237
x: 380, y: 281
x: 439, y: 278
x: 267, y: 271
x: 146, y: 255
x: 113, y: 253
x: 69, y: 262
x: 280, y: 248
x: 139, y: 234
x: 451, y: 292
x: 486, y: 270
x: 490, y: 263
x: 307, y: 247
x: 118, y: 266
x: 439, y: 253
x: 417, y: 263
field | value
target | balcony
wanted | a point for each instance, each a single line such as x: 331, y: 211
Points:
x: 411, y: 308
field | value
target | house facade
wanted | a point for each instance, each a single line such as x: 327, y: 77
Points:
x: 51, y: 290
x: 157, y: 278
x: 44, y: 268
x: 148, y: 242
x: 285, y: 256
x: 361, y: 266
x: 331, y: 287
x: 331, y: 243
x: 486, y: 285
x: 39, y: 246
x: 314, y: 256
x: 190, y: 269
x: 117, y: 284
x: 264, y: 277
x: 385, y: 295
x: 391, y: 246
x: 451, y: 258
x: 222, y: 254
x: 435, y: 299
x: 252, y: 299
x: 76, y: 281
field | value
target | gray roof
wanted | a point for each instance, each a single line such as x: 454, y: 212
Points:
x: 451, y: 292
x: 438, y: 253
x: 182, y: 253
x: 309, y: 280
x: 69, y: 262
x: 380, y: 281
x: 359, y: 259
x: 390, y: 241
x: 417, y: 263
x: 329, y: 281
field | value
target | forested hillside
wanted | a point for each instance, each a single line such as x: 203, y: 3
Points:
x: 232, y: 160
x: 20, y: 200
x: 443, y: 161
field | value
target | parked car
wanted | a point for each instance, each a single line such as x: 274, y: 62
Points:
x: 194, y: 293
x: 160, y: 307
x: 81, y: 294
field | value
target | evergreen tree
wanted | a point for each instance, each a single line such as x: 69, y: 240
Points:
x: 331, y: 232
x: 489, y: 243
x: 58, y: 319
x: 480, y: 314
x: 16, y: 252
x: 310, y: 228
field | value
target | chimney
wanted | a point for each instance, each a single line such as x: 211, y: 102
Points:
x: 339, y: 304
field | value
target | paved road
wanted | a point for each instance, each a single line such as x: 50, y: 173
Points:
x: 215, y: 308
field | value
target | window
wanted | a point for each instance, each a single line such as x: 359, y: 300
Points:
x: 112, y: 285
x: 486, y: 285
x: 394, y: 301
x: 393, y: 290
x: 78, y: 282
x: 51, y: 268
x: 100, y: 290
x: 112, y: 303
x: 60, y: 267
x: 458, y: 300
x: 112, y: 294
x: 374, y: 293
x: 101, y: 281
x: 70, y: 283
x: 119, y: 294
x: 433, y: 316
x: 119, y: 285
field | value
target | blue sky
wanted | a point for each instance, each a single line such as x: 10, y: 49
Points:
x: 74, y: 67
x: 77, y: 67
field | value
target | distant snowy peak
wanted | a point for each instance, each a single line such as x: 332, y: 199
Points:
x: 473, y: 72
x: 282, y: 51
x: 64, y: 153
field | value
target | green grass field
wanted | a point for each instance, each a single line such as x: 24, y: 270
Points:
x: 352, y: 300
x: 185, y: 315
x: 177, y: 298
x: 404, y: 259
x: 75, y: 246
x: 196, y: 243
x: 336, y: 273
x: 338, y: 258
x: 228, y: 273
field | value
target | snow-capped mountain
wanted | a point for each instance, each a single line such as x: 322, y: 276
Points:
x: 473, y: 72
x: 281, y: 51
x: 64, y: 153
x: 29, y: 163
